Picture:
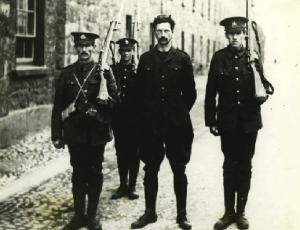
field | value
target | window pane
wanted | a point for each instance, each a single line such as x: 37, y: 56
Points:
x: 30, y: 4
x: 22, y: 4
x: 20, y: 47
x: 30, y: 28
x: 22, y: 22
x: 28, y: 47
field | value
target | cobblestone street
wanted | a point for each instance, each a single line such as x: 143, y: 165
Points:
x: 273, y: 200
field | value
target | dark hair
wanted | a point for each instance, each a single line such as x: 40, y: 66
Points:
x: 164, y: 18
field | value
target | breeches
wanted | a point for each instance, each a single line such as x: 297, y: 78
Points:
x: 177, y: 149
x: 238, y: 149
x: 126, y: 140
x: 86, y: 161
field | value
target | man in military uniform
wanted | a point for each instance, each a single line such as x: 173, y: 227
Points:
x: 238, y: 118
x: 82, y: 130
x: 124, y: 122
x: 166, y: 93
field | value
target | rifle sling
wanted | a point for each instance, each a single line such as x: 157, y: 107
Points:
x: 81, y: 86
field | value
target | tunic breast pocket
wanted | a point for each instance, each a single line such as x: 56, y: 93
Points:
x: 72, y: 89
x: 248, y: 80
x: 174, y: 73
x: 224, y: 80
x: 93, y: 88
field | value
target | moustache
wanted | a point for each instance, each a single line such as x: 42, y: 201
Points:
x: 84, y: 53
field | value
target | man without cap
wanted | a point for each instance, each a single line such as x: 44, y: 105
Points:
x: 124, y: 122
x: 236, y: 118
x: 166, y: 93
x: 85, y: 131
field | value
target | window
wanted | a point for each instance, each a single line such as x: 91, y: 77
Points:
x: 128, y: 26
x: 26, y: 18
x: 214, y: 46
x: 152, y: 37
x: 202, y: 9
x: 30, y: 32
x: 208, y: 51
x: 193, y: 6
x: 193, y: 48
x: 182, y: 40
x: 201, y: 48
x: 208, y: 12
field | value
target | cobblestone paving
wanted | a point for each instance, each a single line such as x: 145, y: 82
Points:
x: 50, y: 205
x: 31, y: 153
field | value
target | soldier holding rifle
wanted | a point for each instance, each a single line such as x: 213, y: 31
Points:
x: 166, y: 94
x: 85, y: 131
x: 124, y: 122
x: 236, y: 118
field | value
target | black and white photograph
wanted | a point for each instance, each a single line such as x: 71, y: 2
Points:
x: 149, y: 114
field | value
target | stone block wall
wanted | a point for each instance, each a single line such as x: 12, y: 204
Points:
x: 6, y: 54
x: 31, y: 90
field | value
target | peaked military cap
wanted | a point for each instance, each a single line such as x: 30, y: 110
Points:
x: 234, y: 24
x: 126, y: 43
x: 84, y: 38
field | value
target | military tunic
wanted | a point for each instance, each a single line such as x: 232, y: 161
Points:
x: 124, y: 125
x: 231, y: 78
x: 80, y: 128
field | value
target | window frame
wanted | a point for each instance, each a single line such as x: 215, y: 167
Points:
x: 26, y: 60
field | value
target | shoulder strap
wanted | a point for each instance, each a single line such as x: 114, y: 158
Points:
x: 81, y: 86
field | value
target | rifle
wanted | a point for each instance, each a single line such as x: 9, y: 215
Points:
x: 135, y: 30
x: 251, y: 27
x: 103, y: 92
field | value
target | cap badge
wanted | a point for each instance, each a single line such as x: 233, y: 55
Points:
x: 126, y: 41
x: 234, y: 24
x: 82, y: 36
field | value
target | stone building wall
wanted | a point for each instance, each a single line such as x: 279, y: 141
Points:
x: 26, y: 95
x: 6, y: 54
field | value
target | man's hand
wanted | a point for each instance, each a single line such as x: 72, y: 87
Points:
x: 59, y: 144
x: 214, y: 130
x: 104, y: 67
x: 104, y: 101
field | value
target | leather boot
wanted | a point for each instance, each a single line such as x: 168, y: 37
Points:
x: 123, y: 171
x: 132, y: 194
x: 226, y: 220
x: 180, y: 189
x: 94, y: 190
x: 133, y: 173
x: 79, y: 189
x: 151, y: 188
x: 241, y: 221
x: 182, y: 221
x: 79, y: 220
x: 93, y: 220
x: 148, y: 218
x: 229, y: 201
x: 121, y: 192
x: 242, y: 197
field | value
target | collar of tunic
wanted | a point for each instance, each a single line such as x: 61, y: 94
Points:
x: 84, y: 66
x: 157, y: 58
x: 230, y: 51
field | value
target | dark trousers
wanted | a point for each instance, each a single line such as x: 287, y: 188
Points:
x: 238, y: 149
x: 177, y: 148
x: 87, y: 177
x: 127, y: 150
